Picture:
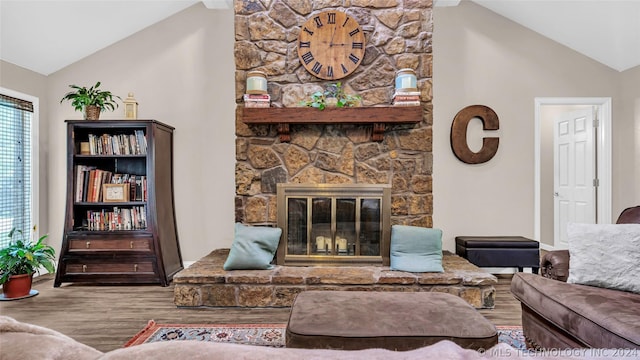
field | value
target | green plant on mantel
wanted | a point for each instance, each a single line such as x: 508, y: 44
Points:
x: 333, y: 95
x: 91, y: 100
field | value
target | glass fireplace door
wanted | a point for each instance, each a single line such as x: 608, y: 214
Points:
x: 333, y: 224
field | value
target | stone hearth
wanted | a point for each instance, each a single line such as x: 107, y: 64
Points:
x: 205, y: 283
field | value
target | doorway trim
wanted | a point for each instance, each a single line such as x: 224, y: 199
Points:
x: 603, y: 156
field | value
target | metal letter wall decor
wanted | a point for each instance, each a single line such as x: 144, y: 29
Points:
x: 459, y: 126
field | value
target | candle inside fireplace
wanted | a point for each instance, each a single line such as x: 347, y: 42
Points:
x: 342, y: 244
x: 320, y: 243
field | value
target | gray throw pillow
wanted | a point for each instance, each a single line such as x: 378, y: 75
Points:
x: 253, y: 248
x: 605, y: 255
x: 416, y: 249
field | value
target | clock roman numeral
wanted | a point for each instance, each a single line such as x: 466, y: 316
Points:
x: 354, y: 58
x: 331, y: 18
x: 356, y: 45
x: 330, y: 71
x: 354, y: 31
x: 307, y: 57
x: 318, y: 21
x: 345, y: 21
x: 317, y: 67
x: 344, y: 69
x: 308, y: 31
x: 305, y: 44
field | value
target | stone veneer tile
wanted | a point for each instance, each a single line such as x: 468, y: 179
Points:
x: 249, y: 277
x: 222, y: 295
x: 285, y: 295
x: 488, y: 297
x: 396, y: 277
x: 343, y: 275
x: 187, y: 295
x: 289, y: 275
x: 448, y: 278
x: 473, y: 296
x: 255, y: 296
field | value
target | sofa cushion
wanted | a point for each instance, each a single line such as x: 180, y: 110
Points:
x: 605, y: 255
x: 416, y: 249
x: 24, y: 341
x: 597, y: 317
x: 253, y: 248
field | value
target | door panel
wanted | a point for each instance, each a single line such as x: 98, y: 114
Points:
x: 574, y: 171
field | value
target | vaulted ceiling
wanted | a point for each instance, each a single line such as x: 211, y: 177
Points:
x: 47, y: 35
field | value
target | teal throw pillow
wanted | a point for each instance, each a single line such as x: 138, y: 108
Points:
x: 253, y: 248
x: 416, y: 249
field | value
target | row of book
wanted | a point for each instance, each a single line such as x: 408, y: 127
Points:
x: 118, y: 144
x: 134, y: 218
x: 406, y: 98
x: 257, y: 100
x: 89, y: 181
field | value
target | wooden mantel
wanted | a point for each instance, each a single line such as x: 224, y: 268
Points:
x: 379, y: 116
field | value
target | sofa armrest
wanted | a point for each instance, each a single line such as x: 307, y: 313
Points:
x: 555, y: 265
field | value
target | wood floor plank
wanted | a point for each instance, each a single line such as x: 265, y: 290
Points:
x: 105, y: 317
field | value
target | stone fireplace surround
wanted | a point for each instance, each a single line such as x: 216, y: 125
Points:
x: 398, y: 35
x: 206, y: 284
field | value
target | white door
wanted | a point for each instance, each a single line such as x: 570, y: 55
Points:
x: 574, y: 172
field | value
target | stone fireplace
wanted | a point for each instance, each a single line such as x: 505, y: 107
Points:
x: 398, y: 35
x: 328, y: 224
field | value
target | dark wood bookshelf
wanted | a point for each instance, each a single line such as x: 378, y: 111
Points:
x: 149, y: 255
x: 378, y: 116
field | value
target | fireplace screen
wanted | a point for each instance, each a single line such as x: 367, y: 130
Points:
x: 333, y: 224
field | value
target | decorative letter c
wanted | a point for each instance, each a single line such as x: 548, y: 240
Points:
x: 459, y: 126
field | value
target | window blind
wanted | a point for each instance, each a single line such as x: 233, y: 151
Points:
x: 15, y: 166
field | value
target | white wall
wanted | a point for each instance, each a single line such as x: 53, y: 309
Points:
x: 626, y: 147
x: 181, y: 71
x: 483, y: 58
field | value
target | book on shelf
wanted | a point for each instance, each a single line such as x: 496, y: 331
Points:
x: 257, y: 100
x: 118, y: 144
x: 406, y: 103
x: 117, y: 218
x: 406, y: 98
x: 251, y: 104
x: 88, y: 181
x: 256, y: 97
x: 406, y: 93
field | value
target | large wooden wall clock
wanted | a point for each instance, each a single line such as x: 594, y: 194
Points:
x: 331, y: 45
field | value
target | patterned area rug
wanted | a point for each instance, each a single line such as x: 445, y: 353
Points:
x: 259, y: 334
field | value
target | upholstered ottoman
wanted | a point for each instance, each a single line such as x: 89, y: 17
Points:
x: 500, y: 251
x: 354, y: 320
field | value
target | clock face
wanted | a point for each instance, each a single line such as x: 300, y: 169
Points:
x: 331, y: 45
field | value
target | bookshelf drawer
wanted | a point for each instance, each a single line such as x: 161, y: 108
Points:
x: 91, y: 245
x: 140, y: 267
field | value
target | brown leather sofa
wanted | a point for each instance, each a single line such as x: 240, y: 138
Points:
x: 559, y: 315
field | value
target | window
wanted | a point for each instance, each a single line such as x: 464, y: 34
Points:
x: 16, y: 160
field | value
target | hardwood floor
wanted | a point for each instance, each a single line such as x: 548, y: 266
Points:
x: 105, y: 317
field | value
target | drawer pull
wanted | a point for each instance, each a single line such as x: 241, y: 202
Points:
x: 88, y: 244
x: 131, y: 244
x: 135, y: 268
x: 84, y: 268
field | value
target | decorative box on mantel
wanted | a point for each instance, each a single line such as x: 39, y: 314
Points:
x: 378, y: 116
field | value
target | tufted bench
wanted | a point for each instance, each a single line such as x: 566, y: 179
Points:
x: 354, y: 320
x: 500, y: 251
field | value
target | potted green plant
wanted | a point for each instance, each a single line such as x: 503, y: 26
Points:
x: 91, y: 100
x: 332, y: 96
x: 20, y: 260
